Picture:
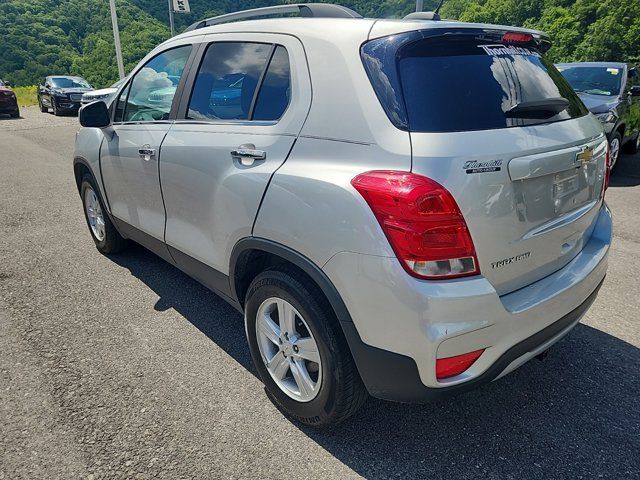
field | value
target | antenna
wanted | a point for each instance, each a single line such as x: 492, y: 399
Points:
x: 438, y: 7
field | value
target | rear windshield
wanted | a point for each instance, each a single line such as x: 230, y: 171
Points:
x: 467, y: 82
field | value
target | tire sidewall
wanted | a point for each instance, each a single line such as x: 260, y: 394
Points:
x: 277, y: 284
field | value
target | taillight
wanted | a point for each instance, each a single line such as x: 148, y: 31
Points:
x: 423, y: 223
x: 452, y: 366
x: 517, y: 37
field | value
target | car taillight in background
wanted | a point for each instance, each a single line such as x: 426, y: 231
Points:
x: 423, y: 223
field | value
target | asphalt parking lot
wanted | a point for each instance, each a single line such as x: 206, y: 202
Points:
x: 124, y: 367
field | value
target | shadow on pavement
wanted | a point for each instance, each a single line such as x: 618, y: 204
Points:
x: 627, y: 172
x: 575, y: 415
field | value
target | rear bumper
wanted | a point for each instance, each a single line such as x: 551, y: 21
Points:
x: 8, y: 106
x: 401, y: 325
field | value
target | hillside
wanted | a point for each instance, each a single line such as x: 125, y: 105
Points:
x: 41, y: 37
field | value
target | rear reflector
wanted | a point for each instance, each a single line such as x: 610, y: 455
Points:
x: 452, y: 366
x: 517, y: 37
x: 422, y: 221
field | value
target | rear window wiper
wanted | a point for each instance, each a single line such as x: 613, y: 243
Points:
x: 546, y: 108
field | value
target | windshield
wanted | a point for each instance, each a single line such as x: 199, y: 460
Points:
x: 451, y: 83
x: 68, y: 82
x: 593, y: 80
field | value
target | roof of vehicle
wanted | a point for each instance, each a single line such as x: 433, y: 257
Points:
x: 593, y: 64
x: 328, y: 27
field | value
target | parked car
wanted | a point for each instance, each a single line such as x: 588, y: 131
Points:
x: 8, y: 101
x: 611, y: 91
x: 103, y: 94
x: 62, y: 94
x: 426, y: 219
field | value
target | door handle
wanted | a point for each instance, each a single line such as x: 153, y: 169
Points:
x: 248, y: 154
x: 147, y: 153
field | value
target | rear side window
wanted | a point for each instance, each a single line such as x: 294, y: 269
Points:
x: 241, y: 81
x: 227, y: 80
x: 469, y: 82
x: 275, y: 91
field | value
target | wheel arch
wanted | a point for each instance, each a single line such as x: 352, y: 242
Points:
x: 253, y: 255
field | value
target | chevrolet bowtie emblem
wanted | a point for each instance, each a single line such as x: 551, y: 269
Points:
x: 584, y: 156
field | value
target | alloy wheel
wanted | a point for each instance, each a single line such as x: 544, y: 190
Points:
x: 614, y: 146
x: 94, y: 214
x: 288, y: 349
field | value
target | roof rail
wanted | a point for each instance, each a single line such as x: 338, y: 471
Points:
x: 322, y: 10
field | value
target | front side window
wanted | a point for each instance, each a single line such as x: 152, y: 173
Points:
x: 227, y: 80
x: 594, y: 80
x: 150, y: 94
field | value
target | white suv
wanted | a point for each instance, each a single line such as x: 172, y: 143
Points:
x: 408, y: 208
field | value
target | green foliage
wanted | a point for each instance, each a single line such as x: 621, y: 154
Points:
x: 49, y: 37
x: 27, y: 96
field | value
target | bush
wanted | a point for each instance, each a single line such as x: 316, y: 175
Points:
x: 27, y: 96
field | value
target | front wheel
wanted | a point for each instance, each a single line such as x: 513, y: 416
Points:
x: 103, y: 232
x: 54, y: 107
x: 16, y: 114
x: 299, y: 350
x: 614, y: 148
x: 43, y: 109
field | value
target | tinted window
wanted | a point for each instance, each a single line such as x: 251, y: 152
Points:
x: 275, y: 91
x: 227, y: 80
x: 121, y: 104
x: 465, y: 81
x: 69, y: 82
x: 594, y: 80
x: 150, y: 94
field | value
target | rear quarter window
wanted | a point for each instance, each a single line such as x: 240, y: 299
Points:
x: 461, y: 82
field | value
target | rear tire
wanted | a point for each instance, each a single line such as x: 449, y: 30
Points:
x: 338, y: 391
x: 102, y: 230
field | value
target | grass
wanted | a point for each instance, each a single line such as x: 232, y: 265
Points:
x: 27, y: 96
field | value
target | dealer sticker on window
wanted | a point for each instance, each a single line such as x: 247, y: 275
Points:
x: 503, y: 50
x: 613, y: 71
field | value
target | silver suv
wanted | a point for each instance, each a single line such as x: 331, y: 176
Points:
x: 402, y: 208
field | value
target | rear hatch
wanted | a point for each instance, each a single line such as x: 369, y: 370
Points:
x: 496, y: 124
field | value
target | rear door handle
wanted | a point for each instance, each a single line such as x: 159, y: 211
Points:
x: 248, y: 154
x: 147, y: 153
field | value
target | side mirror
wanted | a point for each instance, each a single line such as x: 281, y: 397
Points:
x: 95, y: 115
x: 635, y: 91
